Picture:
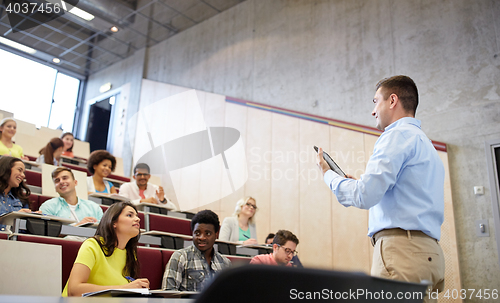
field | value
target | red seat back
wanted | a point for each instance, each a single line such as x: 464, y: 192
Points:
x: 33, y: 178
x: 169, y: 224
x: 166, y: 254
x: 150, y: 260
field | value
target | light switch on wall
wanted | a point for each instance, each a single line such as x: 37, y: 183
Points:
x: 478, y: 190
x: 482, y: 228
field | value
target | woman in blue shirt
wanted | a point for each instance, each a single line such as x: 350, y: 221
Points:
x: 100, y: 165
x: 13, y: 190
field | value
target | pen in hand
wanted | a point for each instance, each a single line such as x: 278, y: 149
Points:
x: 246, y: 236
x: 130, y: 279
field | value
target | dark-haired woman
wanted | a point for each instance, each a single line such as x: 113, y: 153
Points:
x: 12, y: 187
x: 51, y: 153
x: 69, y: 141
x: 100, y: 164
x: 109, y: 259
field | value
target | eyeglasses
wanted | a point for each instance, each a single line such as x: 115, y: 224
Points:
x: 141, y: 175
x: 251, y: 205
x: 288, y: 251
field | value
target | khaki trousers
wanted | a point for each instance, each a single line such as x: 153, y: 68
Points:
x: 398, y: 255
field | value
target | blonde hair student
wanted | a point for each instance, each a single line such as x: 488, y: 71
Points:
x: 241, y: 226
x: 8, y: 129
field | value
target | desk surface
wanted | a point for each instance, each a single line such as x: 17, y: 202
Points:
x: 8, y: 218
x: 42, y: 299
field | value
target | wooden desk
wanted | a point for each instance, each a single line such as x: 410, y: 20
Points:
x: 43, y: 299
x: 18, y: 219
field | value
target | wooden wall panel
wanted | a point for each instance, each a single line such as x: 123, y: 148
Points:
x: 315, y: 219
x: 351, y: 245
x: 235, y: 117
x: 258, y: 153
x: 285, y: 187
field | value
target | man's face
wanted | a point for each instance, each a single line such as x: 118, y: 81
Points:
x: 381, y: 112
x: 204, y: 236
x: 65, y: 184
x: 141, y: 176
x: 284, y: 253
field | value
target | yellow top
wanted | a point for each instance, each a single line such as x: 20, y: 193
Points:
x: 14, y: 151
x: 103, y: 270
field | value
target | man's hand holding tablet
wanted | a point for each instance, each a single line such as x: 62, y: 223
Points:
x: 325, y: 163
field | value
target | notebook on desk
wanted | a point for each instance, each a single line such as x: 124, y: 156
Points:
x: 140, y: 292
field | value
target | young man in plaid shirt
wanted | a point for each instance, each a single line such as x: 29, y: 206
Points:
x: 189, y: 268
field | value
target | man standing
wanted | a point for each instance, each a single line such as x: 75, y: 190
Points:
x: 189, y: 268
x: 284, y: 245
x: 141, y: 191
x: 68, y: 205
x: 403, y: 187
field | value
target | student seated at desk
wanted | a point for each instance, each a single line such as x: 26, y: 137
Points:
x: 284, y: 245
x: 51, y: 153
x: 100, y: 164
x: 241, y: 227
x: 69, y: 141
x: 189, y: 268
x: 141, y: 191
x: 8, y: 128
x: 269, y: 239
x: 108, y: 260
x: 12, y: 187
x: 68, y: 205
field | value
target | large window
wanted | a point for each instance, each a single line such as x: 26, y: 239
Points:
x: 27, y: 89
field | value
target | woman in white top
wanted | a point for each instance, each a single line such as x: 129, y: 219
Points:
x: 51, y: 153
x: 241, y: 226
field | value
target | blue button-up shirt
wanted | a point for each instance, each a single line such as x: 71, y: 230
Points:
x: 8, y: 204
x: 403, y: 185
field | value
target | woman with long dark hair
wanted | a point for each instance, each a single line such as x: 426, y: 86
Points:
x: 51, y: 153
x: 13, y: 191
x: 109, y: 259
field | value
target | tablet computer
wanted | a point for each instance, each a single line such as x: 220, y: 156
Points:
x: 331, y: 163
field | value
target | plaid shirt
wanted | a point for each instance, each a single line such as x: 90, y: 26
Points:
x: 187, y: 269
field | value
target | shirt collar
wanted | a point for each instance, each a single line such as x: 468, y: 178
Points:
x: 405, y: 120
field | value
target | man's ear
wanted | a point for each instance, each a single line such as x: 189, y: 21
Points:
x: 217, y: 234
x: 76, y: 182
x: 394, y: 99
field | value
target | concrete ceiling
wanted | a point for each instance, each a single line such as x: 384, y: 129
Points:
x: 85, y: 47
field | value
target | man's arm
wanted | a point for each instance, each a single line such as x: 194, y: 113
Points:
x: 174, y: 271
x: 381, y: 174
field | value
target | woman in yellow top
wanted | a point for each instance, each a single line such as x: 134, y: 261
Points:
x: 109, y: 259
x: 8, y: 128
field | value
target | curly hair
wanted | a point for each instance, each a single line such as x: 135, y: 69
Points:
x: 107, y: 239
x: 97, y: 156
x: 206, y: 217
x: 22, y: 192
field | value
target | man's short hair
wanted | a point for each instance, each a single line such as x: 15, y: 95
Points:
x: 283, y: 236
x: 270, y: 236
x: 404, y: 88
x: 59, y: 170
x: 141, y: 166
x: 206, y: 217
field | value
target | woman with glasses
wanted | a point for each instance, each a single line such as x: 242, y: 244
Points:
x: 241, y: 226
